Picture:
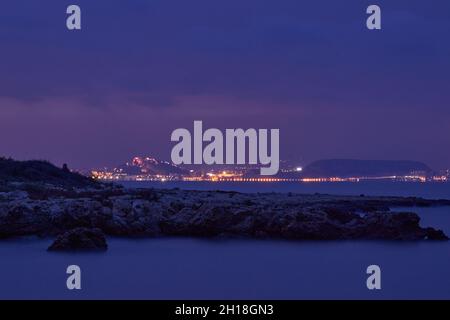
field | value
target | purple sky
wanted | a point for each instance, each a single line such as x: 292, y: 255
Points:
x: 140, y: 69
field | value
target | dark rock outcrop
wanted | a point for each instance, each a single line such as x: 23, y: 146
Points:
x: 433, y: 234
x: 80, y: 239
x: 43, y: 172
x: 153, y: 213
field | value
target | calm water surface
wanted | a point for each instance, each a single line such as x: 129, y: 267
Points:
x: 202, y: 269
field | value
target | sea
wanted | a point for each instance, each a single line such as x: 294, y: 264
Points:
x: 187, y: 268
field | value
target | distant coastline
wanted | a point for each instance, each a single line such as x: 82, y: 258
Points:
x: 334, y: 170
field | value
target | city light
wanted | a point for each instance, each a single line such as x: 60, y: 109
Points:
x: 242, y: 174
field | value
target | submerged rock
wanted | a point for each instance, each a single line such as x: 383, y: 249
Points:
x: 80, y: 239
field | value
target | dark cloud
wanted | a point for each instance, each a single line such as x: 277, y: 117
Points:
x: 296, y: 57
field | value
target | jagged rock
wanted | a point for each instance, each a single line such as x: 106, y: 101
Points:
x: 139, y: 212
x: 80, y: 239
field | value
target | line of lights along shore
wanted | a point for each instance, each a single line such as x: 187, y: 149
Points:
x: 240, y: 174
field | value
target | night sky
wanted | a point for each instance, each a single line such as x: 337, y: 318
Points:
x: 139, y: 69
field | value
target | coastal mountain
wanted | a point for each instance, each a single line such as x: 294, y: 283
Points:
x: 43, y: 172
x: 345, y: 168
x: 149, y: 166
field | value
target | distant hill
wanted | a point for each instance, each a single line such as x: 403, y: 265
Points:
x: 345, y: 168
x: 149, y: 166
x: 35, y: 171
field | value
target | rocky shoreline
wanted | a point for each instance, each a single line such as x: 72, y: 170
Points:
x: 83, y: 215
